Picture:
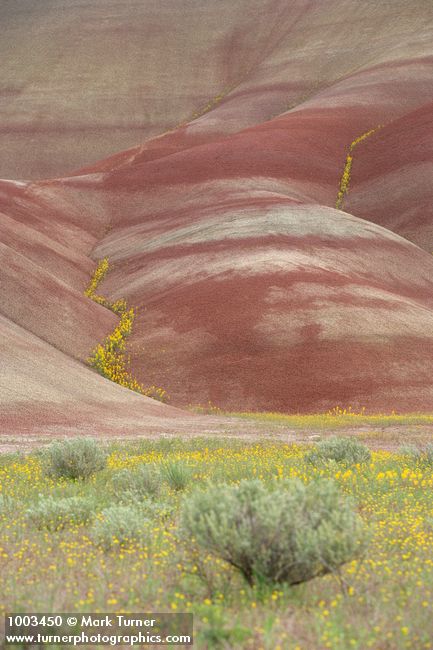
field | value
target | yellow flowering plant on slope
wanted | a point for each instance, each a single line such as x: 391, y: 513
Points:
x: 345, y: 178
x: 109, y: 357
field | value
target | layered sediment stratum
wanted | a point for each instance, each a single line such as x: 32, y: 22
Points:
x: 250, y: 288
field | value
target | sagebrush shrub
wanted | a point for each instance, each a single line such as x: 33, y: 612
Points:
x: 418, y: 455
x: 75, y: 458
x: 56, y: 514
x: 288, y: 534
x: 161, y: 510
x: 412, y: 451
x: 142, y: 482
x: 427, y: 457
x: 120, y: 525
x: 341, y: 450
x: 6, y: 504
x: 177, y: 474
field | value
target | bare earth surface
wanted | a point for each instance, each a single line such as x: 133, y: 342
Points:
x: 388, y: 438
x: 252, y: 290
x: 83, y: 79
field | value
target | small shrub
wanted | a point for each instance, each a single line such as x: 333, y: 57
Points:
x: 428, y: 455
x: 289, y: 534
x: 6, y: 504
x: 177, y: 474
x: 411, y: 451
x: 119, y: 526
x: 57, y: 514
x: 341, y: 450
x: 423, y: 457
x: 77, y: 458
x: 160, y: 510
x: 140, y: 483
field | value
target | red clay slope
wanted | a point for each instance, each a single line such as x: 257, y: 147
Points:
x: 252, y: 290
x: 252, y: 295
x: 48, y: 327
x: 392, y: 178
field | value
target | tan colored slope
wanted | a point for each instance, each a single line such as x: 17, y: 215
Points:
x: 44, y: 392
x: 83, y: 79
x: 329, y: 42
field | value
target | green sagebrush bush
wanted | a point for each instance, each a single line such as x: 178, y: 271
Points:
x: 56, y: 514
x: 418, y: 455
x: 176, y: 474
x: 348, y: 451
x: 288, y: 534
x: 139, y: 483
x: 7, y: 505
x: 119, y: 525
x: 77, y: 458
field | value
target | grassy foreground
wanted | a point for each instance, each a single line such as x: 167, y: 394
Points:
x: 381, y: 601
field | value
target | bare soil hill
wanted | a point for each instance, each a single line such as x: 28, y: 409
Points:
x: 271, y: 228
x: 82, y: 79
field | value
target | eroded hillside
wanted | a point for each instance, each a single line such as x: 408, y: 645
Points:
x: 255, y: 284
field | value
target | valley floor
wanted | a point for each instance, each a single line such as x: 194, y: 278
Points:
x: 58, y: 553
x: 378, y: 431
